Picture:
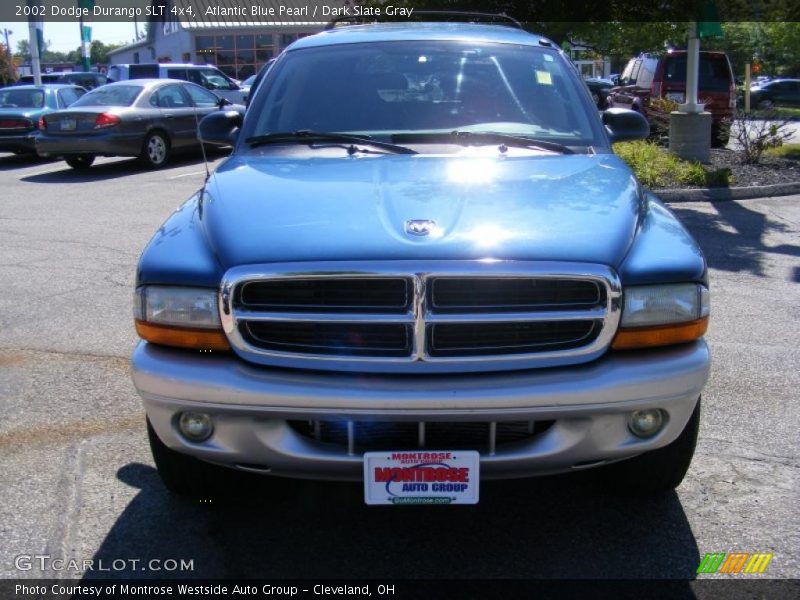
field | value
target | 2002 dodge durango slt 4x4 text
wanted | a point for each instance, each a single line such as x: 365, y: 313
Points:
x: 421, y: 267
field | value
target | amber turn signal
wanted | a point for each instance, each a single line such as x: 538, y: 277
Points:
x: 183, y: 337
x: 659, y: 335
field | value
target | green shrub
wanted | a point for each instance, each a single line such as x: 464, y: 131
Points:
x: 657, y: 167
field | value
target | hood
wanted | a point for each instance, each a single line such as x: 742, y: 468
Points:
x: 262, y: 209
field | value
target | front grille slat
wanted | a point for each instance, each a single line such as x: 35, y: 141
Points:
x: 512, y: 294
x: 469, y: 339
x: 410, y: 318
x: 331, y: 338
x: 329, y: 294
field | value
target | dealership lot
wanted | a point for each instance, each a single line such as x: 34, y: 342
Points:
x: 78, y: 481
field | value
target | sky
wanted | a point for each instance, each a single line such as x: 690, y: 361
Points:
x: 64, y: 37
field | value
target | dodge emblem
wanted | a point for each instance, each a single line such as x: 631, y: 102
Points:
x: 420, y: 226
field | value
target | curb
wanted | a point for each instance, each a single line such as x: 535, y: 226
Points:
x: 731, y: 193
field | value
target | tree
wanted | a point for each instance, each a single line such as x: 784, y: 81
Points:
x: 8, y: 73
x: 24, y: 50
x: 99, y: 52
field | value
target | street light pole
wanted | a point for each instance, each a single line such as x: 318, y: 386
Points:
x: 33, y: 37
x: 692, y: 70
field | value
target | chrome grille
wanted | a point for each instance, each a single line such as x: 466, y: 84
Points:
x: 395, y: 317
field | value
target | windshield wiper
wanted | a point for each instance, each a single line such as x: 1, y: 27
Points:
x: 304, y: 136
x: 481, y: 138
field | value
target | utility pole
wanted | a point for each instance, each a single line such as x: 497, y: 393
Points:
x: 6, y: 33
x: 33, y: 41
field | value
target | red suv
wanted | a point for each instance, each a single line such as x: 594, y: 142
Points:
x: 664, y: 76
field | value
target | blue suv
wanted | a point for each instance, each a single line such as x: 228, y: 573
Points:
x: 422, y: 267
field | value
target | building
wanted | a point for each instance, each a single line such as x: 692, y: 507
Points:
x: 588, y: 63
x: 238, y: 45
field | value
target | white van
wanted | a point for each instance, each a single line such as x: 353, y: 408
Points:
x: 208, y: 76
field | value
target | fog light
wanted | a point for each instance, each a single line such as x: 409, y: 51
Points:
x: 195, y: 427
x: 645, y: 423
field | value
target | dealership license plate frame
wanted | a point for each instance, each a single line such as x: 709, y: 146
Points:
x: 459, y: 469
x: 68, y: 124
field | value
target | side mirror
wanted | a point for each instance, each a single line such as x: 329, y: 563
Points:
x: 223, y: 102
x: 220, y: 128
x: 623, y: 124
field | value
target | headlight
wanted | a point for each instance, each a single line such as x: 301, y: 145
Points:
x: 660, y: 315
x: 175, y: 316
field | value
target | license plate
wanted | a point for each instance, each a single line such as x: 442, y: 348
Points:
x: 68, y: 124
x: 676, y: 96
x: 422, y: 477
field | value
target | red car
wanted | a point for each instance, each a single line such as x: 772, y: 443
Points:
x: 664, y: 76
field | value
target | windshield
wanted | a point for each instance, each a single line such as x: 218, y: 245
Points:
x: 117, y: 95
x: 380, y: 89
x: 11, y: 98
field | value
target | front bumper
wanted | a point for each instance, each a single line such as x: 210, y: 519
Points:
x: 103, y: 144
x: 250, y: 406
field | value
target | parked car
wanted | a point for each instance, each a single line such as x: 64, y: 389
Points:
x: 21, y: 107
x: 778, y: 92
x: 247, y: 84
x: 207, y: 76
x: 431, y: 270
x: 599, y: 89
x: 148, y: 118
x: 85, y: 79
x: 257, y: 80
x: 664, y: 76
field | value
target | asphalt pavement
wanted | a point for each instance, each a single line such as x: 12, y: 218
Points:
x: 77, y: 480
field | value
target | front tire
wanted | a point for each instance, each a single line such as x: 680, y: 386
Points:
x: 80, y: 161
x: 657, y: 471
x: 155, y: 150
x: 182, y: 474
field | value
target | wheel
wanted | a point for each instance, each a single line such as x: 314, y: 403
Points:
x: 182, y: 474
x: 155, y: 150
x: 596, y: 99
x: 80, y: 161
x: 657, y: 471
x: 765, y: 104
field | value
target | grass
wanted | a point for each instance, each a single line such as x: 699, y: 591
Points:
x: 657, y: 167
x: 781, y: 112
x: 786, y: 151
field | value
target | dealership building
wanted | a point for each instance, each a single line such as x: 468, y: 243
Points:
x: 230, y: 37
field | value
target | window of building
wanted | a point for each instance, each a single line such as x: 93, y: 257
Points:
x: 239, y: 55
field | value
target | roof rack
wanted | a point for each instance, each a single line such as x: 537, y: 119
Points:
x: 439, y: 15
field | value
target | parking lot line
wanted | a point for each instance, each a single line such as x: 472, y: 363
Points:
x: 187, y: 174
